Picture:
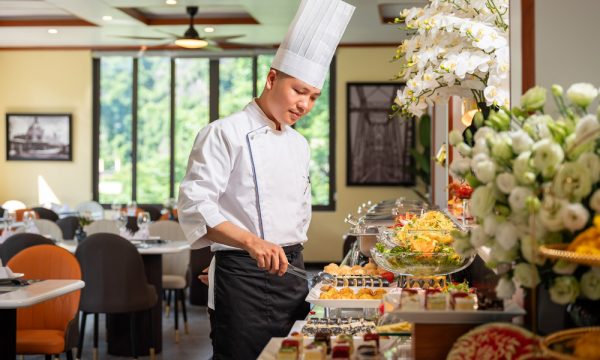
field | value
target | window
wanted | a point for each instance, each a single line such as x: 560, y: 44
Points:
x: 148, y: 111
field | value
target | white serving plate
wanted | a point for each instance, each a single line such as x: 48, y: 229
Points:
x: 315, y: 292
x: 455, y: 317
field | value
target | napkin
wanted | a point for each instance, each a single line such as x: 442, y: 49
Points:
x: 6, y: 273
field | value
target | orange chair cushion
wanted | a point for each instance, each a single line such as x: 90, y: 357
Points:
x: 165, y: 216
x: 52, y: 316
x: 40, y: 341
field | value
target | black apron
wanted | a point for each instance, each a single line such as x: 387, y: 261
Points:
x: 252, y: 306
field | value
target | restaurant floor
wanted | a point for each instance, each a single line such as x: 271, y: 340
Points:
x: 195, y: 346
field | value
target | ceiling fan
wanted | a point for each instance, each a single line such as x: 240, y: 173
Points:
x: 191, y: 39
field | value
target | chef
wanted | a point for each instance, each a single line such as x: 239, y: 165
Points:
x: 247, y: 190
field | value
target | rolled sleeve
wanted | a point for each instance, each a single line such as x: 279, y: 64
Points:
x: 207, y: 176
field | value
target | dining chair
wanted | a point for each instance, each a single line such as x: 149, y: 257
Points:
x: 48, y: 228
x: 19, y: 214
x: 68, y: 225
x: 50, y: 327
x: 18, y: 242
x: 153, y: 210
x: 102, y: 226
x: 175, y: 270
x: 44, y: 213
x: 115, y: 283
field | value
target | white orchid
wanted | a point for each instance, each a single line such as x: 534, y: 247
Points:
x: 460, y: 47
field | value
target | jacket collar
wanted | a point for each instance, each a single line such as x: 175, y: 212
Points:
x: 253, y: 108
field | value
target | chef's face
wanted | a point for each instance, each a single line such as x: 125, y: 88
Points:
x: 291, y: 98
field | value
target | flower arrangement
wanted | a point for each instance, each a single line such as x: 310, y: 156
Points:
x: 536, y: 180
x: 459, y: 47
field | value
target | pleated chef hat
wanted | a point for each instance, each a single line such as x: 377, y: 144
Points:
x: 311, y: 40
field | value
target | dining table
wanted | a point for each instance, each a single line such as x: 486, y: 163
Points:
x: 15, y: 296
x: 118, y: 325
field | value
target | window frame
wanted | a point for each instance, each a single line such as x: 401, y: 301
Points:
x: 213, y: 115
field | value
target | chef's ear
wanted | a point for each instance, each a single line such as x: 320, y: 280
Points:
x: 271, y: 77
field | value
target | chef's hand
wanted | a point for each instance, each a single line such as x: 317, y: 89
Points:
x: 204, y: 277
x: 269, y: 256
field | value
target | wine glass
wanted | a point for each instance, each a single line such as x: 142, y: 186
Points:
x: 131, y: 208
x: 116, y: 209
x: 143, y: 220
x: 122, y: 219
x: 28, y: 217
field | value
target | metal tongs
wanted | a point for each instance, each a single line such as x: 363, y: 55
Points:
x: 322, y: 277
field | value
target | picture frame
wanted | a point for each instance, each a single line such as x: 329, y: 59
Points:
x: 378, y: 145
x: 39, y: 137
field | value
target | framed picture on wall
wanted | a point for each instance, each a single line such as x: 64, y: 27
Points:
x: 379, y: 144
x: 38, y: 137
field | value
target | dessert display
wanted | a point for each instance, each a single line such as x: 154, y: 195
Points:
x: 361, y: 280
x: 435, y: 299
x: 332, y: 293
x: 410, y: 300
x: 314, y: 351
x: 289, y: 349
x: 338, y: 327
x: 399, y: 327
x: 462, y: 301
x: 368, y: 269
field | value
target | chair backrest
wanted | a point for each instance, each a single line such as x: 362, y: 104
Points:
x: 153, y: 210
x: 165, y: 216
x: 103, y: 226
x: 93, y: 207
x: 173, y: 264
x: 114, y: 276
x: 48, y: 262
x: 13, y: 205
x: 68, y: 225
x: 47, y: 227
x: 18, y: 242
x: 44, y: 213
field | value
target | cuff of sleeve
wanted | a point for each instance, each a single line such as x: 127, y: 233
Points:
x: 214, y: 219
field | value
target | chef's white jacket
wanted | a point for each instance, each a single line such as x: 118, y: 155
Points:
x: 241, y: 169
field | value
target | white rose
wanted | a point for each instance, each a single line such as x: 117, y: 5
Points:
x: 485, y: 171
x: 507, y: 235
x: 529, y: 250
x: 460, y: 167
x: 462, y: 244
x: 587, y: 129
x: 517, y: 198
x: 591, y: 162
x: 582, y: 94
x: 464, y: 149
x: 565, y: 290
x: 574, y: 216
x: 482, y: 201
x: 522, y: 170
x: 590, y: 284
x: 595, y: 201
x: 505, y: 288
x: 572, y: 181
x: 501, y: 150
x: 483, y: 133
x: 478, y: 237
x: 455, y: 137
x: 552, y: 218
x: 481, y: 147
x: 490, y: 224
x: 506, y: 182
x: 527, y: 275
x: 521, y: 142
x: 502, y: 255
x: 563, y: 267
x: 547, y: 156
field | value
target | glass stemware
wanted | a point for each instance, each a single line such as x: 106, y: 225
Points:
x: 122, y: 220
x: 143, y: 220
x: 28, y: 217
x: 131, y: 208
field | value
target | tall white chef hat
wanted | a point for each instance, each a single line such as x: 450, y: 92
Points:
x: 311, y: 40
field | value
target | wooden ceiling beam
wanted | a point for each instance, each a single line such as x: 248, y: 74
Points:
x: 198, y: 19
x: 45, y: 22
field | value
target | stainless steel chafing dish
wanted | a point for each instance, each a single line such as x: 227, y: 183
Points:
x: 365, y: 226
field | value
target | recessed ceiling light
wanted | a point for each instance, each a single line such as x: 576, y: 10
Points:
x: 107, y: 18
x: 52, y: 31
x: 171, y: 2
x: 209, y: 29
